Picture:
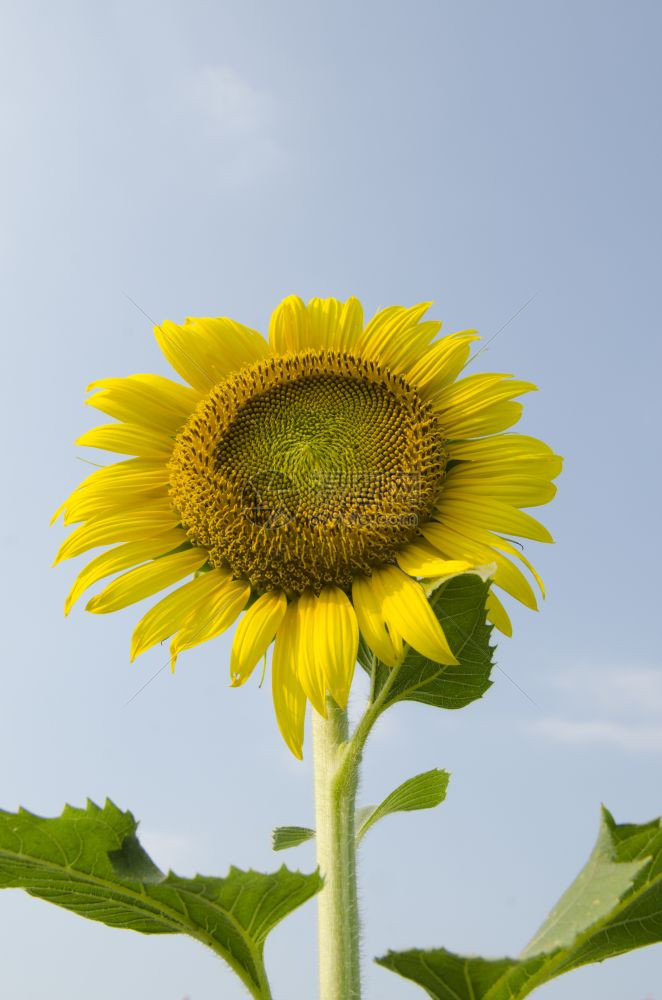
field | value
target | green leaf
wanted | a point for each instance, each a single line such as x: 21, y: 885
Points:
x: 285, y: 837
x: 425, y: 791
x: 446, y: 976
x: 598, y: 888
x: 91, y: 862
x: 613, y: 906
x: 460, y: 607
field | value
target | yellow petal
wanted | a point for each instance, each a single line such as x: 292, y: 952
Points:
x: 481, y: 547
x: 205, y: 350
x: 368, y: 599
x: 502, y: 459
x: 255, y: 633
x: 112, y: 486
x: 131, y: 473
x: 60, y: 510
x: 408, y: 609
x: 335, y: 641
x: 442, y: 363
x: 513, y: 581
x: 504, y: 546
x: 139, y: 524
x: 392, y: 320
x: 502, y: 447
x: 189, y: 355
x: 212, y: 618
x: 322, y: 324
x: 229, y: 344
x: 541, y: 467
x: 350, y: 325
x: 165, y: 392
x: 147, y: 580
x: 288, y: 695
x: 522, y: 482
x: 129, y: 439
x: 476, y: 391
x: 475, y: 404
x: 92, y: 504
x: 122, y: 557
x: 419, y: 558
x: 466, y: 511
x: 396, y: 337
x: 172, y: 611
x: 519, y: 491
x: 497, y: 614
x: 484, y: 572
x: 491, y: 420
x: 289, y: 328
x: 145, y: 399
x: 324, y: 319
x: 310, y: 667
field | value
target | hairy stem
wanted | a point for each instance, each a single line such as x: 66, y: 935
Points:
x: 376, y: 705
x: 336, y: 778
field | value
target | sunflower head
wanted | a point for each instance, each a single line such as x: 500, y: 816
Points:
x: 303, y: 470
x: 317, y: 479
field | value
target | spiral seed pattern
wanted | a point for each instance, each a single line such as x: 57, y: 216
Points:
x: 304, y: 469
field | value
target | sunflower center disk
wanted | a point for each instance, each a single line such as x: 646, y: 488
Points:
x: 302, y: 470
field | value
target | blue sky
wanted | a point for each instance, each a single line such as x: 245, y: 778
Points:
x: 163, y: 160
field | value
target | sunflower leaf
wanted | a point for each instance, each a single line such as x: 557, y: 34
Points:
x: 613, y: 906
x: 424, y: 791
x: 284, y: 837
x: 460, y: 607
x: 91, y: 862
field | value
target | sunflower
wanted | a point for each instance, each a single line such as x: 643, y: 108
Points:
x: 316, y: 480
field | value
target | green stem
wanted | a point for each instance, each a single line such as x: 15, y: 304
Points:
x: 376, y: 705
x: 336, y: 779
x: 337, y: 762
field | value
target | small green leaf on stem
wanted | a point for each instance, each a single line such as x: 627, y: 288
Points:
x: 284, y: 837
x: 424, y: 791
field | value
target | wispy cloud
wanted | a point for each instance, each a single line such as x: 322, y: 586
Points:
x: 615, y: 704
x: 239, y: 120
x: 627, y: 736
x: 615, y: 687
x: 230, y: 101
